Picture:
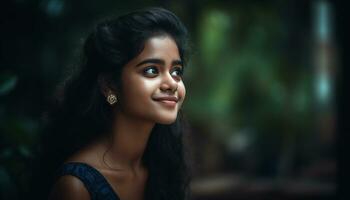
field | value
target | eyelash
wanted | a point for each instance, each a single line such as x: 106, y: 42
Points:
x: 147, y: 72
x: 147, y: 69
x: 179, y: 70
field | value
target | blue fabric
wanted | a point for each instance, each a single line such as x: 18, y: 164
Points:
x: 93, y: 180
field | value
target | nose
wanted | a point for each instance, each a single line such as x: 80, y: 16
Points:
x: 168, y: 83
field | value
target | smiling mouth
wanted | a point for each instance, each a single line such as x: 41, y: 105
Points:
x: 170, y: 101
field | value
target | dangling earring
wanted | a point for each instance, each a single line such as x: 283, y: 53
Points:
x: 112, y: 99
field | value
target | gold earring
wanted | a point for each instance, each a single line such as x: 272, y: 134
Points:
x: 112, y: 99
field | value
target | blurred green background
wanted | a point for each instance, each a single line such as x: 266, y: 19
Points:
x: 260, y: 90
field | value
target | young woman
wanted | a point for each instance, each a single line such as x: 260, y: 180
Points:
x: 115, y: 132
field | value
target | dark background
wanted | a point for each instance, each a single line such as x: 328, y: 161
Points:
x: 266, y: 95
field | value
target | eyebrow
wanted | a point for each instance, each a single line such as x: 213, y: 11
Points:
x: 159, y: 61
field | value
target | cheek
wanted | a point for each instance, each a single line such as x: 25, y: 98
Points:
x: 182, y: 91
x: 136, y: 90
x: 137, y: 93
x: 148, y: 85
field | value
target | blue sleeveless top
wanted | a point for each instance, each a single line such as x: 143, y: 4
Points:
x: 94, y: 181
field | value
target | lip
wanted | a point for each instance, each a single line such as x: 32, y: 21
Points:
x: 167, y: 98
x: 170, y: 101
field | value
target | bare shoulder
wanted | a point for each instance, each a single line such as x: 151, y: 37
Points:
x: 69, y: 187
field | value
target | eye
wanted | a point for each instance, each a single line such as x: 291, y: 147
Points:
x: 177, y: 72
x: 151, y: 71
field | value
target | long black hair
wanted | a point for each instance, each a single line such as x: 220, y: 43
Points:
x: 80, y: 113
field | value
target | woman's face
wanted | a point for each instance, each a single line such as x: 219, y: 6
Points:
x: 152, y: 85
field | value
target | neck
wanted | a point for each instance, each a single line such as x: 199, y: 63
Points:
x: 129, y: 140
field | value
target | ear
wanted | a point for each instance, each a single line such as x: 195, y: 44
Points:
x: 105, y: 84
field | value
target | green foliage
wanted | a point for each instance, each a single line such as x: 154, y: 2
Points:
x: 245, y: 87
x: 7, y: 83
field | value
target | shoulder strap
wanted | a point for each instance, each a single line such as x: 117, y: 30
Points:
x: 93, y: 180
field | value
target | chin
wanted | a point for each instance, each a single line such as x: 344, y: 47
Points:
x: 166, y: 120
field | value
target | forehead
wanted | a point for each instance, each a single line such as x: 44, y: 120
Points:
x: 162, y: 47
